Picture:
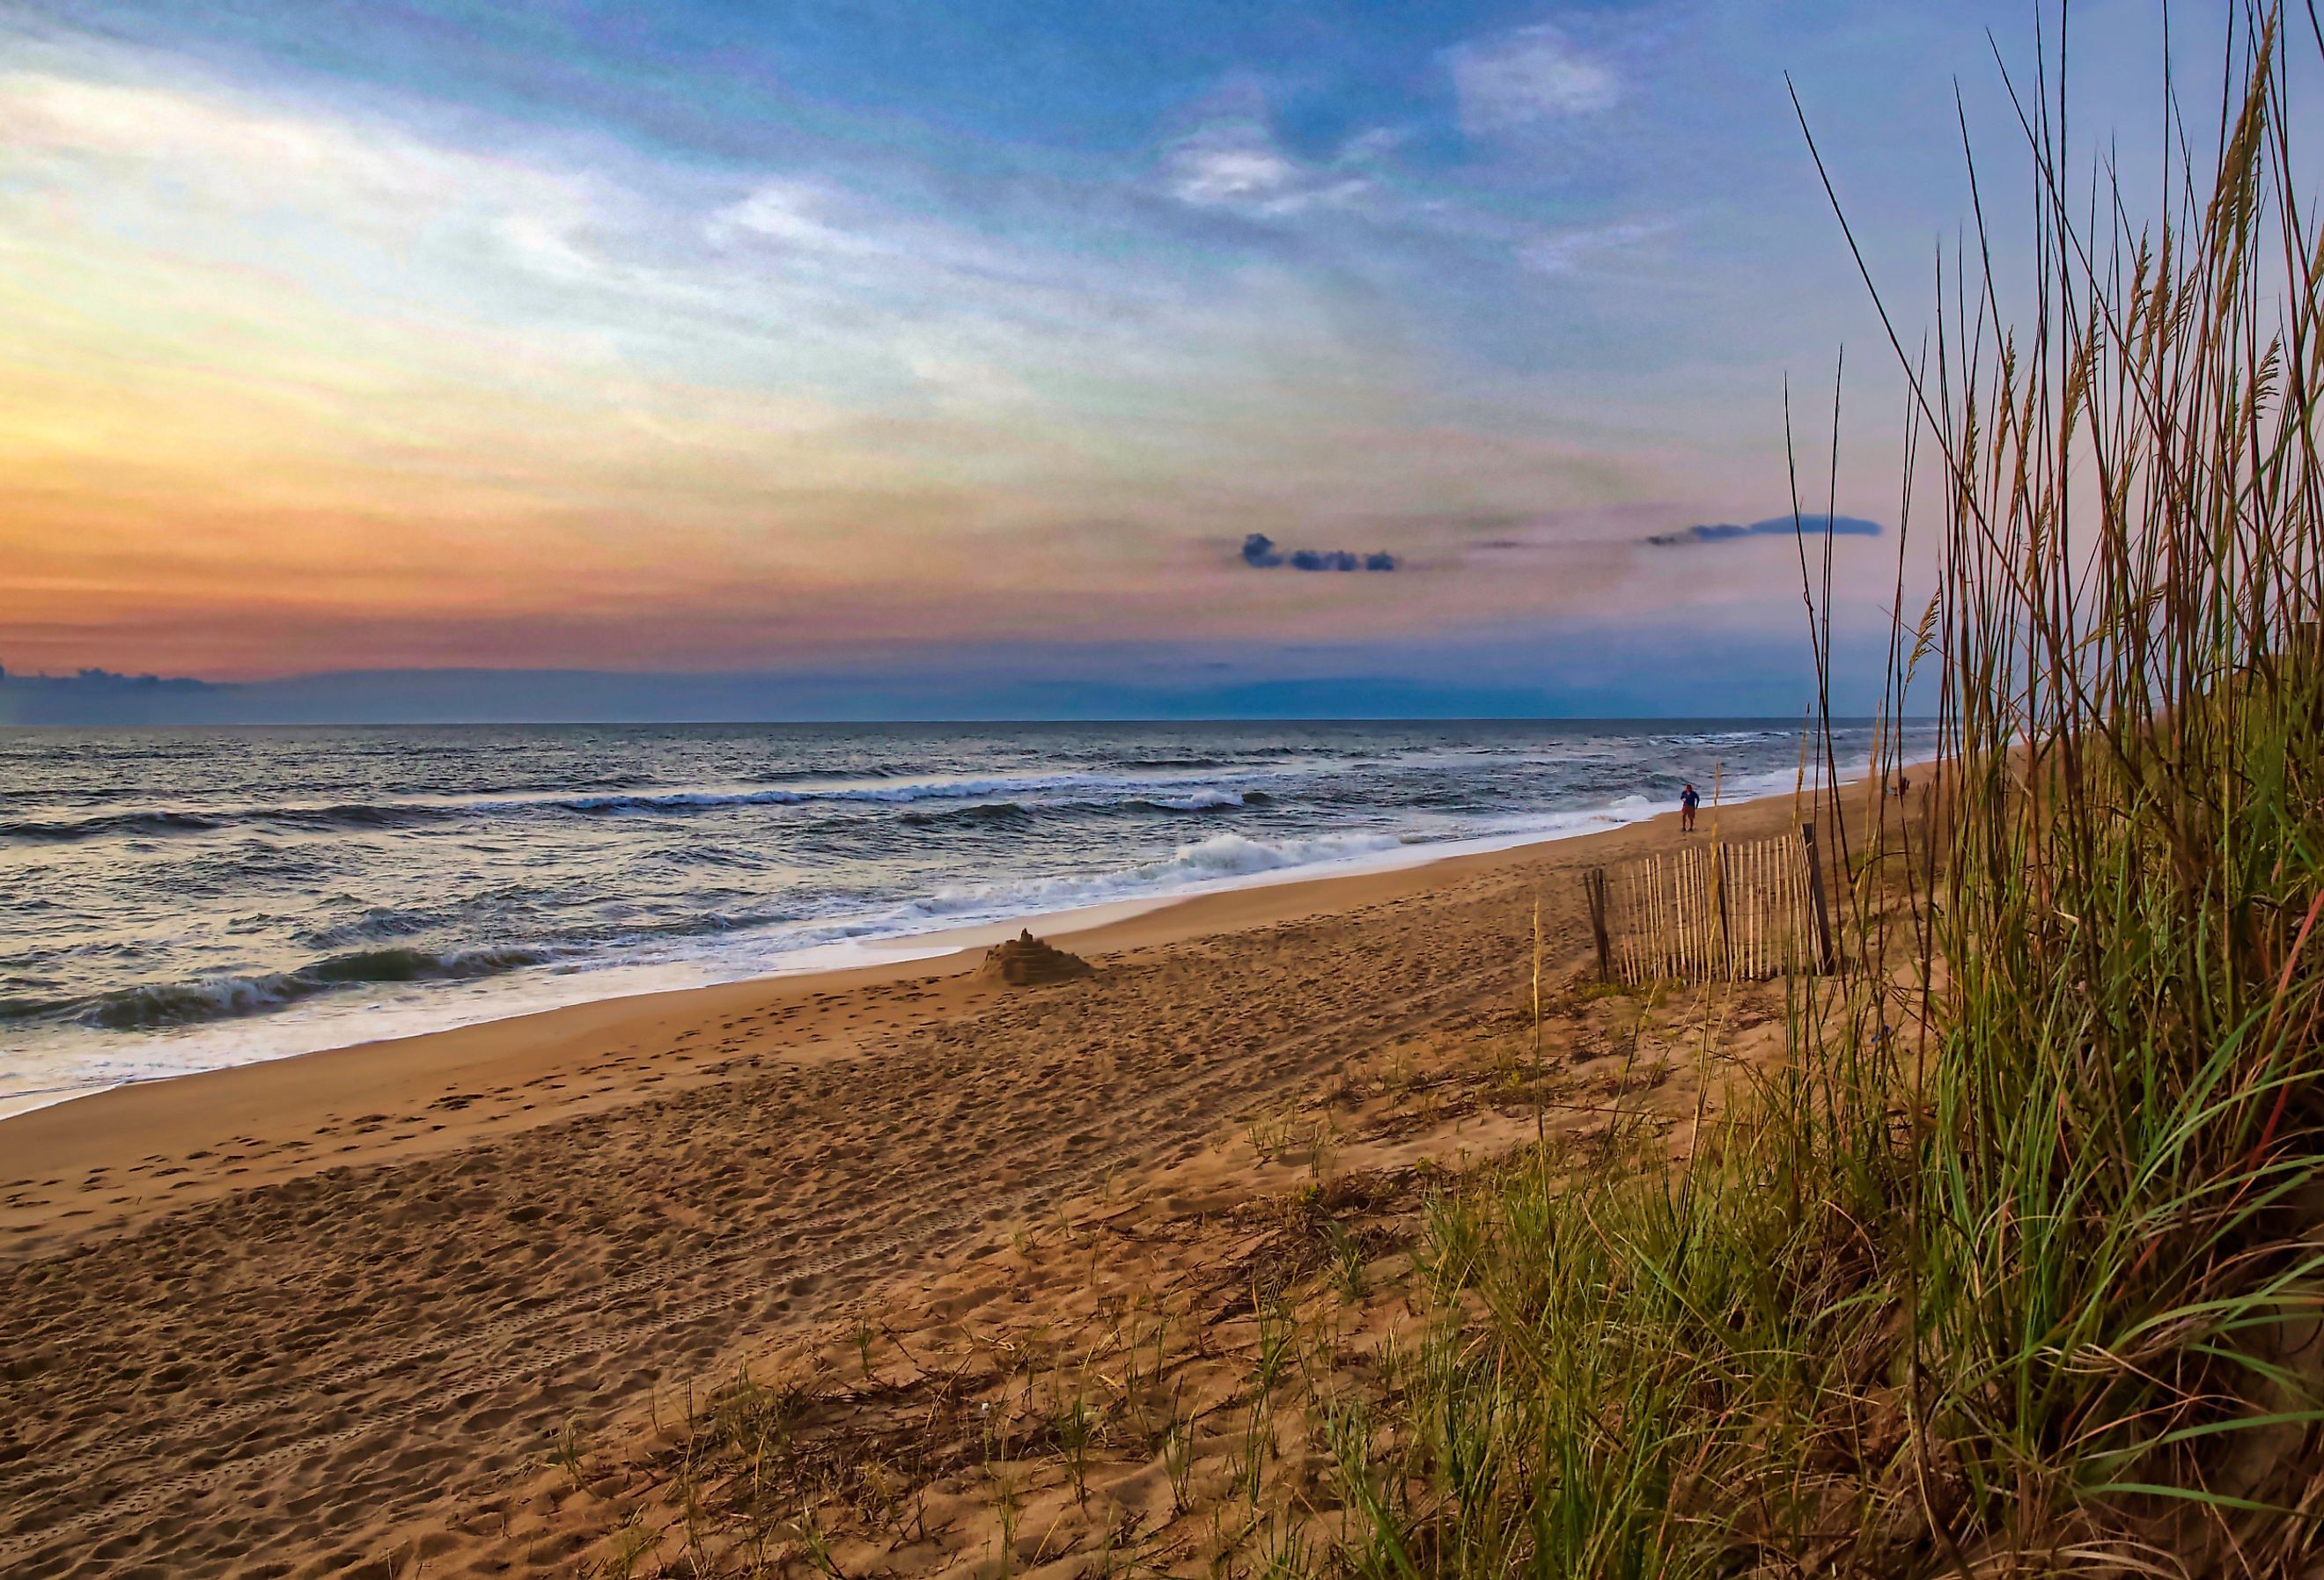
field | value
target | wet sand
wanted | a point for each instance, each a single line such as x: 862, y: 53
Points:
x: 333, y: 1314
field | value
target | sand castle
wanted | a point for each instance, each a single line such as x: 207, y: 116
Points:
x: 1025, y: 961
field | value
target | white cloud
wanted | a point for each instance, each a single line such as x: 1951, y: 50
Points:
x: 791, y: 213
x: 1235, y: 164
x: 1213, y: 172
x: 1566, y: 252
x: 252, y: 154
x: 1227, y: 158
x: 1527, y: 77
x: 365, y: 204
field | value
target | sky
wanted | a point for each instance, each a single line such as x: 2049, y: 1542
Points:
x: 886, y: 338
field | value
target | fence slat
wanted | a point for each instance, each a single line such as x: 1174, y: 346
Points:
x: 1759, y: 911
x: 1678, y: 915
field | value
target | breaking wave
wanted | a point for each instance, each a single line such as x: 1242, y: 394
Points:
x: 388, y: 815
x: 152, y: 1005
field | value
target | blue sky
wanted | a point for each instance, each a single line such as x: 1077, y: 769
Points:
x: 851, y: 338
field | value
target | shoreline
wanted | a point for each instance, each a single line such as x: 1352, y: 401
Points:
x: 878, y: 954
x: 286, y: 1098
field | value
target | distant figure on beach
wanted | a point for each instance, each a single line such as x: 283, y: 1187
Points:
x: 1903, y: 784
x: 1688, y: 800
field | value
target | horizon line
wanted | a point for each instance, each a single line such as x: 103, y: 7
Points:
x: 840, y: 723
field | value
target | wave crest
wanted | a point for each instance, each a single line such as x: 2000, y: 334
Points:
x: 149, y: 1006
x: 369, y: 816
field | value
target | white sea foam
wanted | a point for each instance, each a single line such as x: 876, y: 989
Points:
x: 1204, y: 801
x: 1162, y: 787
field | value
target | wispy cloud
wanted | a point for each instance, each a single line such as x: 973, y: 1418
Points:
x: 1512, y: 80
x: 1233, y: 164
x: 59, y: 115
x: 1233, y: 161
x: 1582, y: 248
x: 788, y: 213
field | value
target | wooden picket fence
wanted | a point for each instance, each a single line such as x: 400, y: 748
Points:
x: 1714, y: 910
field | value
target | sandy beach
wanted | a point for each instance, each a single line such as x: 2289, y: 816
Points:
x: 335, y: 1313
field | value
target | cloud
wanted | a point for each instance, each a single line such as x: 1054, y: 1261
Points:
x: 1259, y: 552
x: 1532, y: 75
x: 1233, y: 161
x: 1773, y: 527
x: 789, y: 214
x: 1567, y: 252
x: 1231, y: 166
x: 846, y: 396
x: 43, y: 113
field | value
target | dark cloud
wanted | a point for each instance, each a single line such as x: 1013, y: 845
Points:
x: 1773, y: 527
x: 1259, y: 552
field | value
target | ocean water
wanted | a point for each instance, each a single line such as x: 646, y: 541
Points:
x: 180, y: 900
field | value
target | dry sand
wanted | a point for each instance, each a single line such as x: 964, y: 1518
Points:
x: 348, y: 1313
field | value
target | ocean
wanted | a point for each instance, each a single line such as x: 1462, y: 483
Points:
x: 180, y: 900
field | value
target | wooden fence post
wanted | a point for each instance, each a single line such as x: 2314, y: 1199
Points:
x: 1593, y: 882
x: 1824, y: 951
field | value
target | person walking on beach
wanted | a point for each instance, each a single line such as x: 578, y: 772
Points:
x: 1687, y: 802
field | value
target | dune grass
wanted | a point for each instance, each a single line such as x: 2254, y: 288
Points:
x: 2017, y: 1268
x: 2014, y: 1265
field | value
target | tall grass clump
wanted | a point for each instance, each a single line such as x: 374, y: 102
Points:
x: 2017, y: 1266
